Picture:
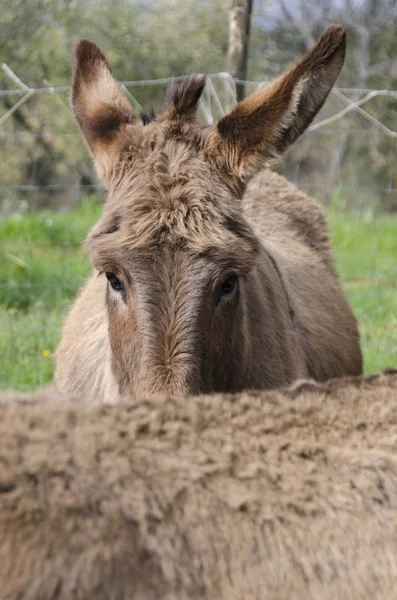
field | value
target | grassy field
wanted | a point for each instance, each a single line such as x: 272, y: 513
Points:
x: 42, y: 266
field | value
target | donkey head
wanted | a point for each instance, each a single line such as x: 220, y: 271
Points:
x: 173, y: 243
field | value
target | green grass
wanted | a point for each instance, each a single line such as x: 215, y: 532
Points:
x: 42, y: 266
x: 366, y: 256
x: 41, y: 260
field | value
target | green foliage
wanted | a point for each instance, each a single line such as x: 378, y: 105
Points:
x: 142, y: 40
x: 33, y: 252
x: 157, y: 39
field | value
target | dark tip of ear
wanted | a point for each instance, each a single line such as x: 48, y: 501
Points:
x: 88, y: 52
x: 147, y: 118
x: 182, y: 100
x: 87, y: 59
x: 332, y: 40
x: 336, y: 32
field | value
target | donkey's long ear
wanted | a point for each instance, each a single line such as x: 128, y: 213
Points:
x: 99, y: 105
x: 263, y: 125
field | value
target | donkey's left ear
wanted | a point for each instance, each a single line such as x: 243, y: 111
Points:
x: 100, y: 107
x: 263, y: 125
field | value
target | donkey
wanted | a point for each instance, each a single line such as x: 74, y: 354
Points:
x: 204, y: 282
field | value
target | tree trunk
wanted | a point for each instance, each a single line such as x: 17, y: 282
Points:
x: 239, y: 32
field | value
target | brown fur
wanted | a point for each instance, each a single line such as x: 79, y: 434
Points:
x: 288, y: 494
x: 178, y: 223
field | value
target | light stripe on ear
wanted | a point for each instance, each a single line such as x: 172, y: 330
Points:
x: 268, y: 121
x: 99, y: 105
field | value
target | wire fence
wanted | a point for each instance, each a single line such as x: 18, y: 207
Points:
x: 347, y: 159
x: 328, y: 158
x: 349, y: 120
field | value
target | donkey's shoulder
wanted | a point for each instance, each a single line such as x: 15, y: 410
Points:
x: 277, y: 209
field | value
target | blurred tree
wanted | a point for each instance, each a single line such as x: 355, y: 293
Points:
x: 239, y: 34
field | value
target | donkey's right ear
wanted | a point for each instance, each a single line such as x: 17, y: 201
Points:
x: 100, y: 107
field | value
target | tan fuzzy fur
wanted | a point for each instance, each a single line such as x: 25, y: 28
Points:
x: 288, y: 494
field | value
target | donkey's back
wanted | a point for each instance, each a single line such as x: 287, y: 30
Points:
x: 293, y: 230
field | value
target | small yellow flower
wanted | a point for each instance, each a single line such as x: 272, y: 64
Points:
x: 46, y: 353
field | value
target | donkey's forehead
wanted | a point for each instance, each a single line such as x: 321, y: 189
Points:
x: 171, y: 191
x: 172, y: 197
x: 163, y: 146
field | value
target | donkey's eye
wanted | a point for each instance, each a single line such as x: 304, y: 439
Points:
x: 114, y: 281
x: 228, y: 285
x: 226, y: 288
